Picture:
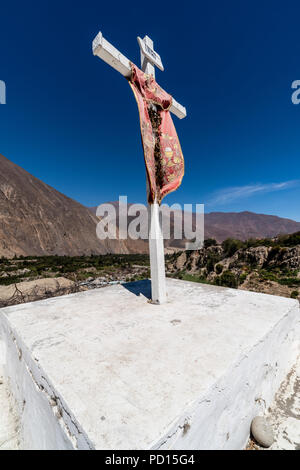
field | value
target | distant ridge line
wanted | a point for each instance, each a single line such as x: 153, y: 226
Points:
x: 36, y: 220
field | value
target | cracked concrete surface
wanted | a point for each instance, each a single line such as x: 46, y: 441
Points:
x: 9, y: 420
x: 110, y: 354
x: 284, y: 413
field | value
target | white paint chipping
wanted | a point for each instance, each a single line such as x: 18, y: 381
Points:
x: 9, y: 418
x: 284, y: 413
x: 105, y: 369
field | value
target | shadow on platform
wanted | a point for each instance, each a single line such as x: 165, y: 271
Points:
x: 139, y: 288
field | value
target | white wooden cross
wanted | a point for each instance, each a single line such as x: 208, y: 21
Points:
x: 149, y: 58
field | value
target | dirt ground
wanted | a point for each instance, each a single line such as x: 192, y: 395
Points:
x: 284, y: 414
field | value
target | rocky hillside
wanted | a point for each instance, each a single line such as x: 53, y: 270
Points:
x: 269, y: 265
x: 26, y: 279
x: 35, y: 219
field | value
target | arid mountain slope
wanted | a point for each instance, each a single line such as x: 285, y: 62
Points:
x: 35, y: 219
x: 222, y: 225
x: 245, y: 225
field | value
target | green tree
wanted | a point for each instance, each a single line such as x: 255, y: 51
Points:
x: 219, y: 268
x: 210, y: 242
x: 227, y: 279
x: 231, y: 245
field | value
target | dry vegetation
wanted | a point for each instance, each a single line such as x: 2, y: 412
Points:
x: 271, y: 266
x: 26, y: 279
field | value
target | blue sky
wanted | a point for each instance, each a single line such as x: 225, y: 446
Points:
x: 72, y: 121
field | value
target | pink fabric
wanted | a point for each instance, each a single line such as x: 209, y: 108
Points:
x: 162, y: 152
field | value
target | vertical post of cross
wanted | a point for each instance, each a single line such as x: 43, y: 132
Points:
x: 156, y: 241
x: 149, y: 59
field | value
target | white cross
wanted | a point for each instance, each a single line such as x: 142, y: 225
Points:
x: 149, y: 58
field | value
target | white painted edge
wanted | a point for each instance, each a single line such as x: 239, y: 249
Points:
x: 151, y: 55
x: 107, y: 52
x: 178, y: 109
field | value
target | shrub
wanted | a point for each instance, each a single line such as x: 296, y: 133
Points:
x: 273, y: 253
x: 227, y: 279
x: 294, y: 294
x: 210, y: 242
x: 267, y: 276
x: 289, y: 281
x: 289, y: 240
x: 242, y: 278
x: 230, y: 246
x: 192, y: 277
x: 212, y: 258
x: 219, y: 268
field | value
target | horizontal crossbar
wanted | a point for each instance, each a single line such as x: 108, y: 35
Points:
x: 107, y: 52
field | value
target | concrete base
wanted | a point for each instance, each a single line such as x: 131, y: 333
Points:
x: 105, y: 369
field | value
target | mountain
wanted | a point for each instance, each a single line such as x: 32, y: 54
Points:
x: 245, y: 225
x: 35, y: 219
x: 222, y: 225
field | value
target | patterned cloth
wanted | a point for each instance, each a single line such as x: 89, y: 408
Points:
x: 163, y: 156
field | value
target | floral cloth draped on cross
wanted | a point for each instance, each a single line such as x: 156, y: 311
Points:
x: 162, y: 151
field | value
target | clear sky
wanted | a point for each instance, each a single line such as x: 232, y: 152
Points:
x: 72, y: 121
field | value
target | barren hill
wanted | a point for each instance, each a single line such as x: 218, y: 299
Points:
x: 35, y: 219
x: 245, y: 225
x: 222, y: 225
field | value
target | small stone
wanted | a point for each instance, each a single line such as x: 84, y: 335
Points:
x: 262, y: 432
x: 52, y: 402
x: 175, y: 322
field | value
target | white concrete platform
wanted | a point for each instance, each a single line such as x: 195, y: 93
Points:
x: 9, y: 419
x: 105, y: 369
